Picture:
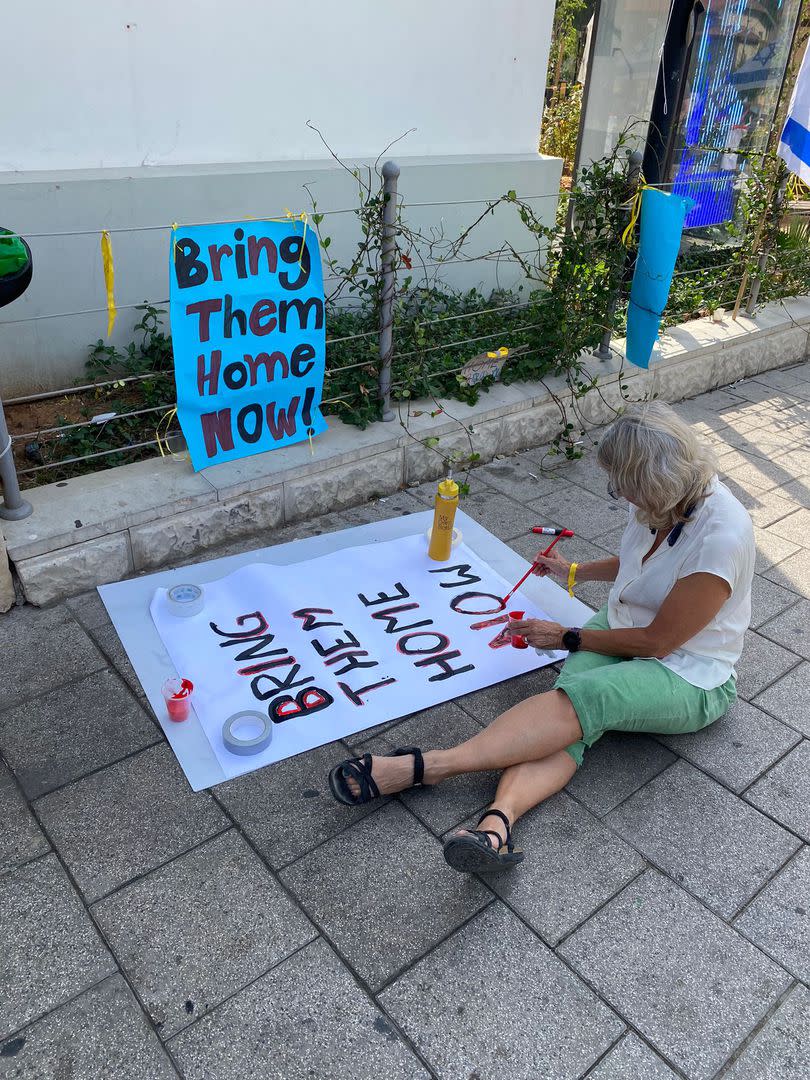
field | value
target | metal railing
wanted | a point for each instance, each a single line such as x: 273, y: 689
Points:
x: 444, y: 359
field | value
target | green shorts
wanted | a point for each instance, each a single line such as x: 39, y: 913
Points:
x: 611, y: 694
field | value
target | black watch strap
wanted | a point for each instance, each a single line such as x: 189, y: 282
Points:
x: 572, y: 639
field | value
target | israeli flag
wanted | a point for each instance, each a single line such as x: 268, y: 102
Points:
x: 794, y: 145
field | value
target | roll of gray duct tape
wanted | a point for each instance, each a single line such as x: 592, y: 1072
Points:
x: 185, y: 600
x: 237, y: 745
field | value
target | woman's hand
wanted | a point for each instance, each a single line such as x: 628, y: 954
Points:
x: 538, y: 633
x: 553, y: 564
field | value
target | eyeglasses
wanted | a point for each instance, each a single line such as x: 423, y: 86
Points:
x: 611, y: 492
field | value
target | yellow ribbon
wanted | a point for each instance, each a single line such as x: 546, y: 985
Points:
x: 162, y: 431
x: 290, y: 216
x: 501, y: 354
x: 109, y: 278
x: 635, y: 210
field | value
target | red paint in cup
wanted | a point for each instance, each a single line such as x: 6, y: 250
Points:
x: 518, y: 640
x: 177, y: 695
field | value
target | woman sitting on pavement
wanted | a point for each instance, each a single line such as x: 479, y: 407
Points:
x: 659, y: 657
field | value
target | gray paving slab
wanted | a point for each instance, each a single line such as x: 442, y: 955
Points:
x: 107, y: 639
x: 798, y: 489
x: 771, y: 551
x: 73, y: 730
x: 573, y: 865
x: 41, y: 650
x: 89, y: 609
x: 21, y: 839
x: 778, y: 920
x: 485, y: 705
x: 305, y: 1019
x: 765, y: 507
x: 127, y: 819
x: 51, y: 949
x: 100, y: 1035
x: 492, y: 1001
x: 768, y: 600
x: 791, y: 629
x: 754, y: 475
x: 795, y: 527
x: 793, y: 573
x: 287, y: 809
x: 518, y: 477
x: 738, y: 747
x: 584, y: 472
x: 197, y: 930
x: 442, y: 807
x: 615, y: 767
x: 784, y: 791
x: 502, y: 516
x: 762, y: 663
x: 587, y: 514
x: 687, y: 982
x: 781, y: 1050
x: 704, y: 837
x: 789, y: 698
x: 611, y: 541
x: 632, y: 1059
x: 383, y: 892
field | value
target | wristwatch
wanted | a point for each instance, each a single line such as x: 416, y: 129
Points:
x: 572, y: 639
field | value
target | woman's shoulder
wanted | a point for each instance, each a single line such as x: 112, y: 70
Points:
x: 725, y: 512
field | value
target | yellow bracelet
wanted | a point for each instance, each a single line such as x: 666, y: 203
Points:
x: 572, y: 577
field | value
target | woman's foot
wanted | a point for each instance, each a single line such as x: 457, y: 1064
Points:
x: 360, y: 779
x: 482, y: 851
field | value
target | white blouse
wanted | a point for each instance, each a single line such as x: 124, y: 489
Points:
x: 718, y: 539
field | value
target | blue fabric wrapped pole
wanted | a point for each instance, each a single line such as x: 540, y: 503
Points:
x: 662, y: 218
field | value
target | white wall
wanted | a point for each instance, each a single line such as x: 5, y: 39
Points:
x: 125, y: 83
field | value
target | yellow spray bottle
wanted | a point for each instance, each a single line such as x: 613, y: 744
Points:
x: 441, y: 535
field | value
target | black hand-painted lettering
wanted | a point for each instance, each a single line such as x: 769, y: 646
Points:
x: 442, y: 661
x: 307, y: 702
x: 287, y: 683
x: 310, y: 622
x: 476, y: 608
x: 254, y: 669
x: 390, y: 616
x: 262, y: 626
x: 382, y: 598
x: 327, y: 650
x: 439, y: 643
x: 464, y: 570
x: 356, y: 696
x: 352, y: 662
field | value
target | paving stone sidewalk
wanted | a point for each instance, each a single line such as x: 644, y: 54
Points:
x: 659, y: 928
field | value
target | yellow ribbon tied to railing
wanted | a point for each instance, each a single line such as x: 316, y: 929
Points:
x: 635, y: 210
x: 162, y: 432
x: 109, y: 278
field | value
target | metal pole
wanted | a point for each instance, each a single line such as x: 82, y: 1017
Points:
x: 633, y: 177
x: 14, y: 505
x: 390, y: 174
x: 756, y: 283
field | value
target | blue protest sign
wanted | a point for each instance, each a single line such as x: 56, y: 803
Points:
x: 249, y: 337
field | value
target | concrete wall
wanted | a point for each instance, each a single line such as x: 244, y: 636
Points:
x: 48, y: 353
x: 109, y: 83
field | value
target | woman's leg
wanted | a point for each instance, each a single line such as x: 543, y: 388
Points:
x: 522, y: 787
x: 533, y: 729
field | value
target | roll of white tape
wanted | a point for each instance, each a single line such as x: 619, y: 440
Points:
x: 254, y: 744
x: 457, y: 536
x: 185, y: 600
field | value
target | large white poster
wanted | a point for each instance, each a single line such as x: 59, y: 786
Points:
x: 327, y: 647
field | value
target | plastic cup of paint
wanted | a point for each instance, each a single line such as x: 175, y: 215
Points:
x: 177, y: 695
x: 518, y: 640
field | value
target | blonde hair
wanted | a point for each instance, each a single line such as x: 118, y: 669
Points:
x: 656, y: 462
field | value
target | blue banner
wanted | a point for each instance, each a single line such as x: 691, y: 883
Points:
x: 249, y: 337
x: 662, y: 218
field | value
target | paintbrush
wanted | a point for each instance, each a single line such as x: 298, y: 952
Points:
x: 558, y: 534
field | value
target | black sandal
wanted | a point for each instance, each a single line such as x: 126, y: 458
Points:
x: 474, y: 852
x: 359, y: 770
